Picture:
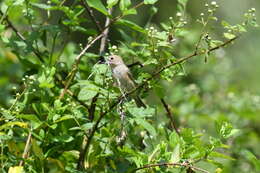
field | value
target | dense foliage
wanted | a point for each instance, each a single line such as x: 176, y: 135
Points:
x: 62, y: 112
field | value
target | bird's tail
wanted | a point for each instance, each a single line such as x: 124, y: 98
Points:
x: 139, y: 102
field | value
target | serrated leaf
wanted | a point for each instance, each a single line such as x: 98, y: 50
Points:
x: 130, y: 25
x: 98, y: 5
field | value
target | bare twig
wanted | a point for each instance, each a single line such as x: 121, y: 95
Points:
x: 169, y: 115
x: 186, y: 165
x: 21, y: 36
x: 106, y: 31
x: 91, y: 15
x: 26, y: 148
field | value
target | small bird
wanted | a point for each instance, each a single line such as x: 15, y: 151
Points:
x: 124, y: 78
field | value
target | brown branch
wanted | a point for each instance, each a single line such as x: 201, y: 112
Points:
x: 186, y: 165
x: 26, y: 148
x: 92, y: 16
x: 170, y: 116
x: 21, y: 36
x: 92, y: 108
x: 106, y: 31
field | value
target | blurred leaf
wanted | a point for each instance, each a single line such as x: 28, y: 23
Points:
x: 252, y: 158
x: 98, y: 5
x: 220, y: 155
x: 146, y: 125
x: 15, y: 123
x: 37, y: 149
x: 16, y: 169
x: 141, y: 112
x: 150, y: 1
x: 111, y: 3
x: 130, y: 25
x: 88, y: 90
x: 124, y: 4
x: 229, y: 35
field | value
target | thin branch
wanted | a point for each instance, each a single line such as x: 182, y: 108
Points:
x: 106, y: 31
x: 92, y: 108
x: 21, y: 36
x: 170, y: 116
x: 26, y: 148
x: 186, y: 165
x: 92, y: 16
x: 77, y: 61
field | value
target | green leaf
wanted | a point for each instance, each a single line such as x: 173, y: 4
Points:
x: 141, y: 112
x: 146, y: 125
x: 42, y: 6
x: 175, y: 157
x: 252, y: 158
x: 124, y: 4
x: 220, y: 155
x: 97, y: 4
x: 88, y: 91
x: 37, y: 149
x: 130, y: 25
x: 32, y: 118
x: 18, y: 2
x: 150, y: 1
x: 229, y: 35
x: 111, y: 3
x: 15, y: 123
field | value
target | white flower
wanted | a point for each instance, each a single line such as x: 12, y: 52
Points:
x: 214, y: 3
x: 178, y: 14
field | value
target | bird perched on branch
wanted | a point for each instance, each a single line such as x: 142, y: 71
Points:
x: 124, y: 78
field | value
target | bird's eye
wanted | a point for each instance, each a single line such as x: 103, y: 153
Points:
x: 111, y: 58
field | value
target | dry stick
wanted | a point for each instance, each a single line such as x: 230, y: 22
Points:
x: 170, y: 116
x: 102, y: 115
x: 26, y: 148
x: 171, y: 164
x: 78, y: 58
x: 92, y: 16
x: 106, y: 31
x: 21, y: 37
